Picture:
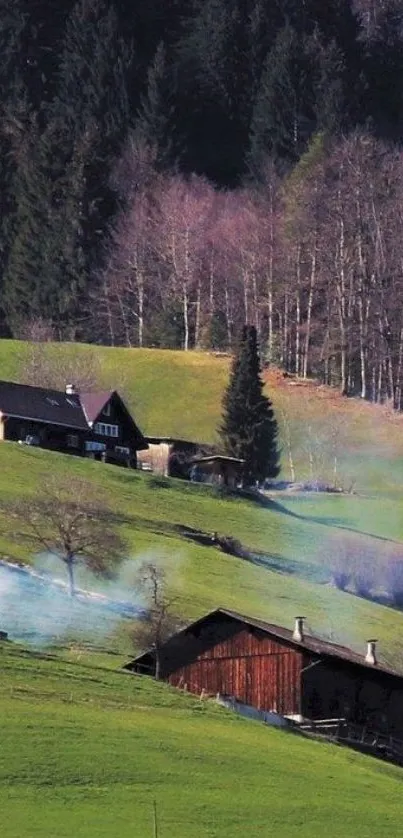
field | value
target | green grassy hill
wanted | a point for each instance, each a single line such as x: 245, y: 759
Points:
x: 179, y: 394
x: 85, y: 751
x: 170, y: 393
x: 296, y: 534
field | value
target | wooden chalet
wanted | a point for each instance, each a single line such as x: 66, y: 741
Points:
x: 97, y: 425
x: 274, y: 669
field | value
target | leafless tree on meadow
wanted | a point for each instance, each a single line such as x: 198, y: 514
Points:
x: 53, y: 365
x: 161, y: 618
x: 68, y: 519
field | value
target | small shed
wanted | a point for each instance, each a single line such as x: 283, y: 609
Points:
x: 219, y: 469
x: 170, y: 456
x: 275, y: 669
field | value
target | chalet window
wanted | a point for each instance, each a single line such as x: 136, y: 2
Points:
x: 122, y: 449
x: 72, y: 441
x: 92, y: 446
x: 107, y: 409
x: 104, y: 429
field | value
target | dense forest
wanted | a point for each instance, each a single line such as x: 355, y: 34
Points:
x: 171, y: 171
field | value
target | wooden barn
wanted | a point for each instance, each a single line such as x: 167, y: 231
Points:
x: 275, y: 669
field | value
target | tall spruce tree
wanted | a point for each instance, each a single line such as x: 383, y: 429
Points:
x: 300, y: 92
x: 155, y: 113
x: 87, y: 122
x: 249, y: 428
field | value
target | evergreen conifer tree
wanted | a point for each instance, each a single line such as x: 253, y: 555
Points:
x: 300, y: 92
x: 63, y: 197
x: 249, y: 428
x: 155, y: 112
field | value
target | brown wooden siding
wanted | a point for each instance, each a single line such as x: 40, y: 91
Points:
x: 247, y: 665
x: 246, y: 643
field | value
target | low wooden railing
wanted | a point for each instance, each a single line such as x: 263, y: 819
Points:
x: 359, y: 736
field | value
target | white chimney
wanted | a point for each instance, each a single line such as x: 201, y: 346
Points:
x: 370, y: 657
x: 298, y: 633
x: 70, y: 389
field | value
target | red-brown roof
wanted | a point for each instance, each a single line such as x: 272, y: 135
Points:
x: 93, y: 403
x: 309, y: 643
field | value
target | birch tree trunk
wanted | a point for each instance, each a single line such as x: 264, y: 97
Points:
x: 198, y: 315
x: 312, y: 283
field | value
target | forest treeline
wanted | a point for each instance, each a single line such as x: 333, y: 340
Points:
x: 171, y: 171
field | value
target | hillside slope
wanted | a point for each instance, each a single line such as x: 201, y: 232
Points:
x: 86, y: 751
x: 179, y: 394
x: 295, y: 535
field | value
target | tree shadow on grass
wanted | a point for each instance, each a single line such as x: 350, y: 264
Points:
x: 325, y: 521
x: 289, y: 567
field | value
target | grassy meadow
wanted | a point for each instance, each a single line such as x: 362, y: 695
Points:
x: 86, y: 751
x: 179, y: 394
x: 295, y: 534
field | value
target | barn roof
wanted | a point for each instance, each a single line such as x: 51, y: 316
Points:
x: 309, y: 643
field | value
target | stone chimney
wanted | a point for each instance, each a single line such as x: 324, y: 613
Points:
x: 298, y: 633
x: 70, y: 389
x: 370, y: 657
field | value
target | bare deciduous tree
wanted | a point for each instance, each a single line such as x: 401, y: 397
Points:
x: 313, y: 262
x: 68, y: 519
x: 160, y: 620
x: 50, y: 365
x: 180, y: 234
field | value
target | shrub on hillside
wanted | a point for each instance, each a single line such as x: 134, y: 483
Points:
x: 365, y: 571
x: 354, y: 562
x: 394, y: 577
x: 340, y: 550
x: 340, y: 575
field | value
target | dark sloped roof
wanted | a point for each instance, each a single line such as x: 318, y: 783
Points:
x: 93, y: 403
x: 218, y: 458
x: 50, y: 406
x: 156, y: 440
x: 309, y: 643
